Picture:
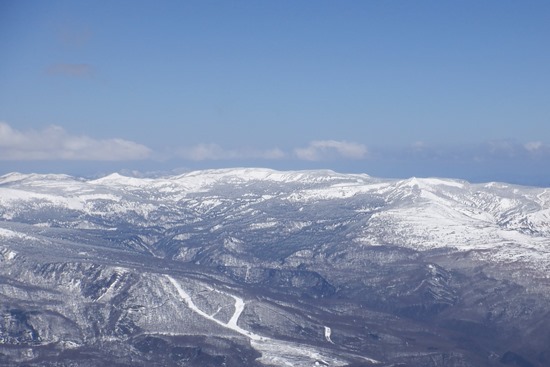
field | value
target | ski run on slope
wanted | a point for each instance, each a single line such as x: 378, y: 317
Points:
x: 273, y: 351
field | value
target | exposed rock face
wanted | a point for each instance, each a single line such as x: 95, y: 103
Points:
x: 253, y: 267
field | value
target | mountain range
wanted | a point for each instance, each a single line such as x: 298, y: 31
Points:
x: 256, y: 267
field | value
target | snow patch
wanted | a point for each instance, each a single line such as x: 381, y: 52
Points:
x: 328, y: 332
x: 7, y: 254
x: 8, y: 233
x: 262, y: 225
x: 182, y: 237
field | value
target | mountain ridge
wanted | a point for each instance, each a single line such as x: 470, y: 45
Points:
x: 419, y: 272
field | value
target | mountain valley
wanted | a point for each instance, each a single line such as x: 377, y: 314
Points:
x: 255, y: 267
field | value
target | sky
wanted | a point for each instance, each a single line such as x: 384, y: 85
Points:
x: 391, y: 88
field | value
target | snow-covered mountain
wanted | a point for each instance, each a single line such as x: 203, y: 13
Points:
x: 261, y: 267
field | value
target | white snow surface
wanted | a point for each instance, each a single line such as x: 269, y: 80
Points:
x: 232, y: 324
x: 9, y: 234
x: 421, y: 213
x: 274, y: 352
x: 328, y: 332
x: 504, y: 223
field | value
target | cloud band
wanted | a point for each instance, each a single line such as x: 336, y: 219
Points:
x: 54, y: 143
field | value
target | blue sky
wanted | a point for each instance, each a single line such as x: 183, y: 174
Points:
x: 389, y: 88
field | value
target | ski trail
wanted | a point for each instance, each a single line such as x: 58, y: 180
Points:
x: 274, y: 352
x: 112, y: 286
x: 217, y: 312
x: 328, y: 332
x: 231, y: 324
x: 239, y: 308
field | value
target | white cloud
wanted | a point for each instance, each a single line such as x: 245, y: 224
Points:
x: 514, y: 149
x: 492, y: 150
x: 503, y: 148
x: 418, y: 145
x: 324, y: 149
x: 54, y: 143
x: 204, y: 152
x: 533, y: 146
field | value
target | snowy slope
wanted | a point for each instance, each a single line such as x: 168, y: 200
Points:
x: 258, y: 267
x: 513, y: 222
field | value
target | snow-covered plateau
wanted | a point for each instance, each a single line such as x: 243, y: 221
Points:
x: 252, y: 267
